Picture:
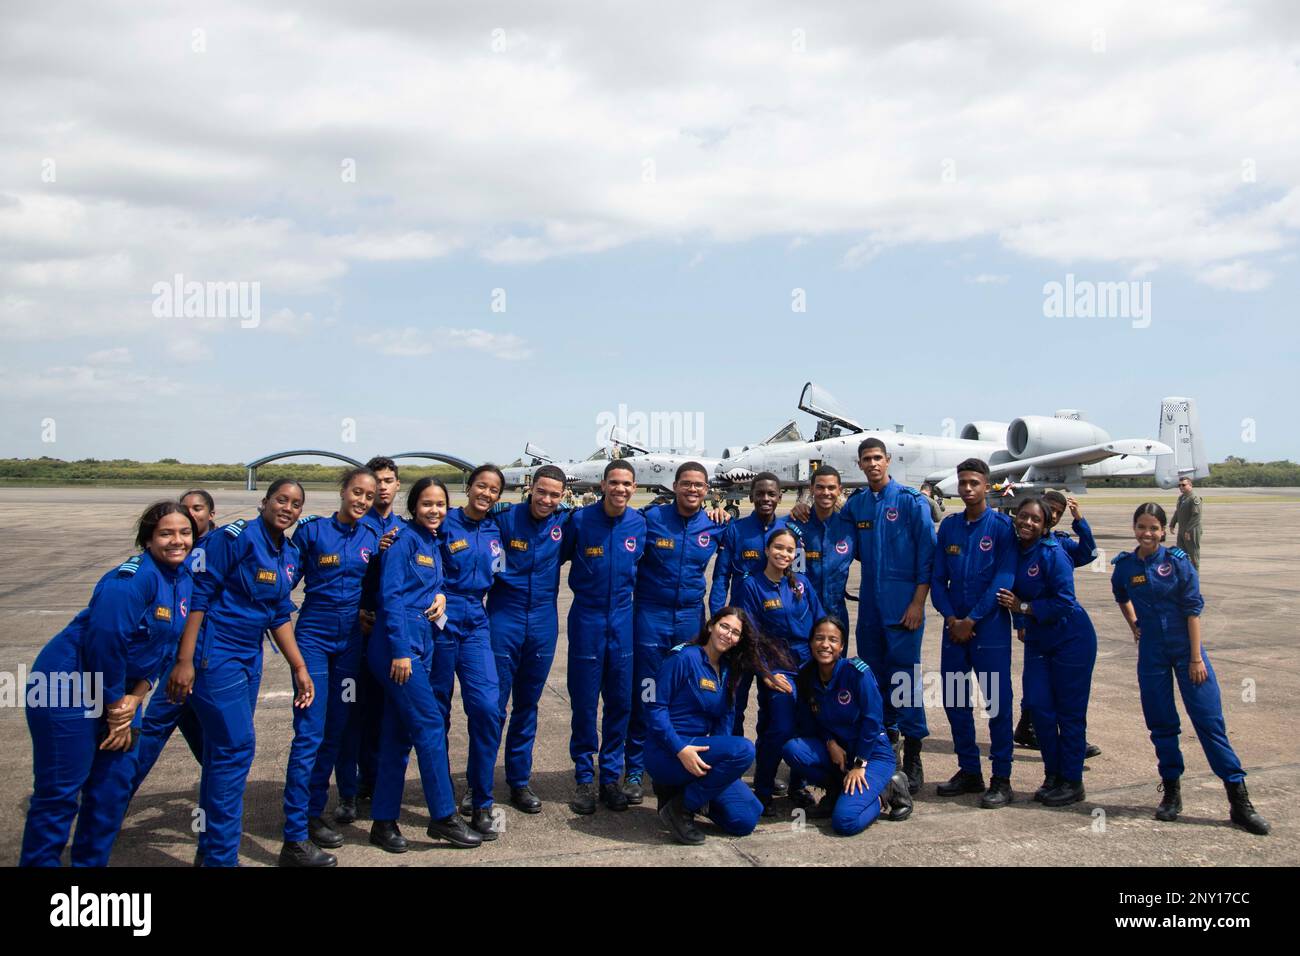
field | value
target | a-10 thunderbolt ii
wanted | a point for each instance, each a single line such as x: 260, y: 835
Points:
x: 579, y: 475
x: 654, y: 470
x: 1031, y: 453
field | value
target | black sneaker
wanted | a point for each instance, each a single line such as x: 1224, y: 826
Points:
x: 1064, y: 794
x: 524, y: 800
x: 961, y: 782
x: 632, y: 790
x: 324, y: 835
x: 681, y: 822
x: 385, y: 835
x: 305, y: 853
x: 483, y: 822
x: 611, y: 795
x: 998, y: 794
x: 455, y: 831
x: 584, y: 799
x: 346, y: 811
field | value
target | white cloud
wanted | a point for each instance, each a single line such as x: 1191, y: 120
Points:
x: 857, y: 256
x: 988, y: 278
x: 117, y: 356
x: 188, y: 350
x: 410, y: 342
x: 1238, y: 276
x: 500, y: 345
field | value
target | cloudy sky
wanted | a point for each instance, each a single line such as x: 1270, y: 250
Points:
x: 469, y: 226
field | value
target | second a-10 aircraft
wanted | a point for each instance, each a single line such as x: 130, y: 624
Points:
x: 1030, y: 453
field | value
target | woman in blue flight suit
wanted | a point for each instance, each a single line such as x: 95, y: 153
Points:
x: 243, y: 590
x: 1060, y: 651
x: 841, y: 744
x: 400, y: 654
x: 472, y: 553
x: 783, y: 606
x: 87, y: 684
x: 334, y: 557
x: 690, y: 751
x: 1159, y: 594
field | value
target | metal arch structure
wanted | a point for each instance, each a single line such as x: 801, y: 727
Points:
x: 251, y: 484
x: 452, y: 460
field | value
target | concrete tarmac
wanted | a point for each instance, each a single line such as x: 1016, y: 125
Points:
x: 56, y: 542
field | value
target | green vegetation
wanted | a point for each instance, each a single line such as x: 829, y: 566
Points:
x: 171, y: 471
x: 1233, y: 472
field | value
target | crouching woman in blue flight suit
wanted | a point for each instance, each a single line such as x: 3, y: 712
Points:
x: 690, y: 751
x: 783, y: 606
x: 400, y: 654
x: 1060, y: 651
x: 87, y: 684
x: 1159, y: 594
x: 841, y: 744
x: 242, y: 592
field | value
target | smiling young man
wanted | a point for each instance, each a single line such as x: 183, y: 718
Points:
x: 976, y: 558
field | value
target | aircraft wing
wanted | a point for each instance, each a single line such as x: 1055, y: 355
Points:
x: 1084, y: 455
x: 819, y: 403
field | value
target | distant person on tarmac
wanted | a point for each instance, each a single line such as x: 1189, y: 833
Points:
x: 1187, y: 521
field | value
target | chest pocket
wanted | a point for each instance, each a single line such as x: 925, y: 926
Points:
x: 425, y: 567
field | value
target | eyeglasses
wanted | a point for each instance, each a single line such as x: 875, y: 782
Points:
x: 729, y: 630
x: 692, y: 485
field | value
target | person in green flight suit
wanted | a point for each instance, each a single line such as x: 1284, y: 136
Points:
x: 1187, y: 521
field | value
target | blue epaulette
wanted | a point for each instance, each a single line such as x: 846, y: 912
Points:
x: 129, y: 566
x: 1177, y: 552
x: 306, y: 519
x: 236, y: 527
x: 915, y: 493
x: 678, y: 648
x: 500, y: 506
x: 1122, y: 554
x: 860, y: 664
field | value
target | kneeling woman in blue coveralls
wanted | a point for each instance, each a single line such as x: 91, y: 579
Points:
x: 841, y: 744
x: 1159, y: 594
x: 400, y: 654
x: 690, y: 751
x: 1060, y: 651
x: 82, y: 734
x: 241, y: 591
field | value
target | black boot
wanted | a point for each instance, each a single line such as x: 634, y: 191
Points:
x: 780, y: 788
x: 385, y: 835
x: 896, y: 742
x: 1243, y: 813
x: 305, y: 853
x: 1171, y: 804
x: 482, y: 823
x: 584, y: 800
x: 826, y: 805
x: 1024, y: 735
x: 802, y: 798
x: 346, y: 811
x: 898, y: 798
x: 632, y: 790
x: 1064, y: 794
x: 912, y: 764
x: 1091, y: 750
x: 455, y: 831
x: 1050, y: 783
x: 681, y: 822
x: 524, y: 800
x: 466, y: 807
x: 324, y: 835
x: 611, y: 795
x: 998, y: 794
x: 961, y: 782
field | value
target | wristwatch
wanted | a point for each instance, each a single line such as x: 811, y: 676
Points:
x: 858, y: 763
x: 1024, y: 607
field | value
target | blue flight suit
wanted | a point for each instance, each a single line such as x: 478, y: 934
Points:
x: 604, y: 552
x: 524, y: 622
x: 335, y: 559
x: 894, y: 541
x: 1083, y: 551
x: 691, y: 706
x: 975, y: 560
x: 1165, y: 591
x: 787, y: 618
x: 741, y: 553
x: 848, y: 710
x: 669, y: 605
x: 244, y: 591
x: 410, y: 578
x: 136, y: 612
x: 472, y: 554
x: 359, y: 752
x: 1060, y: 651
x: 161, y: 716
x: 829, y: 548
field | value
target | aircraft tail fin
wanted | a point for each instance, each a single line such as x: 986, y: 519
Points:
x: 1180, y: 429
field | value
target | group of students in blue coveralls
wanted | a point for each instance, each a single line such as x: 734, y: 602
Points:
x: 396, y: 611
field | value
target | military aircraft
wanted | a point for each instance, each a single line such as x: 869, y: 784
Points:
x: 1031, y: 453
x: 579, y: 475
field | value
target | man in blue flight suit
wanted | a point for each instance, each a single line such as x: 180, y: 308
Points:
x: 742, y: 552
x: 976, y: 558
x: 1081, y: 552
x: 524, y: 620
x: 681, y: 539
x: 359, y: 755
x: 894, y: 542
x: 829, y: 540
x: 604, y: 541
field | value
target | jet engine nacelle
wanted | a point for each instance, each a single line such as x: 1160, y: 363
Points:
x: 984, y: 431
x: 1036, y: 435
